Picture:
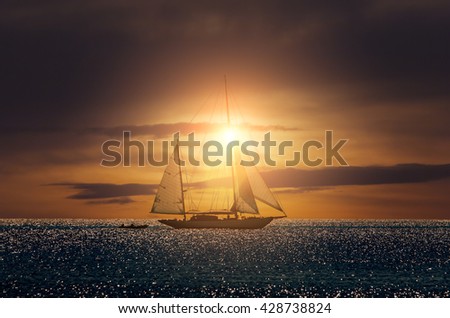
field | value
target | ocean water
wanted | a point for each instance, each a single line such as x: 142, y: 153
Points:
x: 289, y: 258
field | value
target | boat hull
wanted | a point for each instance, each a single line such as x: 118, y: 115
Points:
x: 250, y: 223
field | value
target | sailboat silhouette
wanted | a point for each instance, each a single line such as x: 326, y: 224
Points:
x: 248, y: 186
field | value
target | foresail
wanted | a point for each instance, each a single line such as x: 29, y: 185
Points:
x: 169, y: 198
x: 244, y: 200
x: 260, y: 189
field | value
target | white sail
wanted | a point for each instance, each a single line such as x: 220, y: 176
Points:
x: 169, y: 198
x: 244, y: 198
x: 260, y: 189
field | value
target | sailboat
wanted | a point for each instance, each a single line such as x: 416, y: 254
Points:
x: 247, y: 184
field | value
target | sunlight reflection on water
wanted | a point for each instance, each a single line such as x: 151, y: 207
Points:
x: 289, y: 258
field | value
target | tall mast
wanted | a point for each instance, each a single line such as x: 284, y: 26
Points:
x: 177, y: 154
x: 226, y: 100
x: 232, y: 158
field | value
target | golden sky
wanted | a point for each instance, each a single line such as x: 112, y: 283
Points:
x: 374, y: 72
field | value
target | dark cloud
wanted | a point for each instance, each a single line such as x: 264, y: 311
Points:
x: 120, y: 200
x: 301, y: 190
x: 67, y: 63
x: 168, y: 129
x: 311, y: 180
x: 88, y: 191
x: 339, y: 176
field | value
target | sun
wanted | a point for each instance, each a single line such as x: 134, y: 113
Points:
x: 229, y: 134
x: 225, y: 135
x: 233, y: 133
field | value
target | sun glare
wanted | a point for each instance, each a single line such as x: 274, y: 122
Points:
x: 229, y: 134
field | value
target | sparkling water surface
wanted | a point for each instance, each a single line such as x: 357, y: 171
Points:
x: 288, y: 258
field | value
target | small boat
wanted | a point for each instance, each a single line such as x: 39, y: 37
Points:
x: 133, y: 226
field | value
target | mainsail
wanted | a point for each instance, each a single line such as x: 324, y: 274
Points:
x: 169, y: 198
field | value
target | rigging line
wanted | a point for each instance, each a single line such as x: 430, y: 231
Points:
x: 229, y: 189
x: 213, y: 198
x: 201, y: 198
x: 190, y: 176
x: 188, y: 185
x: 180, y: 155
x: 237, y: 106
x: 216, y: 198
x: 223, y: 193
x: 251, y: 132
x: 215, y: 106
x: 218, y: 191
x: 227, y: 192
x: 230, y: 93
x: 225, y: 199
x: 192, y: 204
x: 228, y: 201
x: 205, y: 133
x: 232, y: 151
x: 202, y: 106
